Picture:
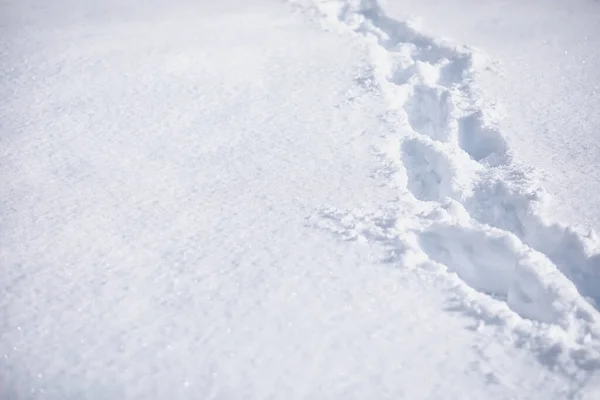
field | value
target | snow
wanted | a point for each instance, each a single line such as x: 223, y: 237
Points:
x: 303, y: 199
x: 547, y: 80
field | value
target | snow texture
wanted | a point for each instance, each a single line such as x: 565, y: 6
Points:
x: 302, y: 200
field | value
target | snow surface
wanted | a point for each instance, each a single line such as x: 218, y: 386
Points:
x: 549, y: 84
x: 260, y: 199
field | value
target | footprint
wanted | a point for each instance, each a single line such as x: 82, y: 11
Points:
x: 453, y: 70
x: 429, y: 111
x: 429, y: 172
x: 485, y: 263
x: 392, y: 33
x: 498, y: 264
x: 480, y: 140
x: 507, y: 200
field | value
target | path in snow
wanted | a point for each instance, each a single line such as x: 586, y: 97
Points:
x: 547, y: 81
x: 464, y: 205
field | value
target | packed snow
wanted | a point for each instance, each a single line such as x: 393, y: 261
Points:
x: 294, y: 199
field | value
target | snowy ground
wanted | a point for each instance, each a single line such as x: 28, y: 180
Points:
x: 549, y: 84
x: 262, y: 199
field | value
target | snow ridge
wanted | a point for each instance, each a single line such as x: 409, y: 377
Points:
x: 466, y: 211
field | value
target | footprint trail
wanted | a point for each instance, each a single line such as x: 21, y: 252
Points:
x: 465, y: 208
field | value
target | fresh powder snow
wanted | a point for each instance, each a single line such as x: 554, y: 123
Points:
x: 300, y: 199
